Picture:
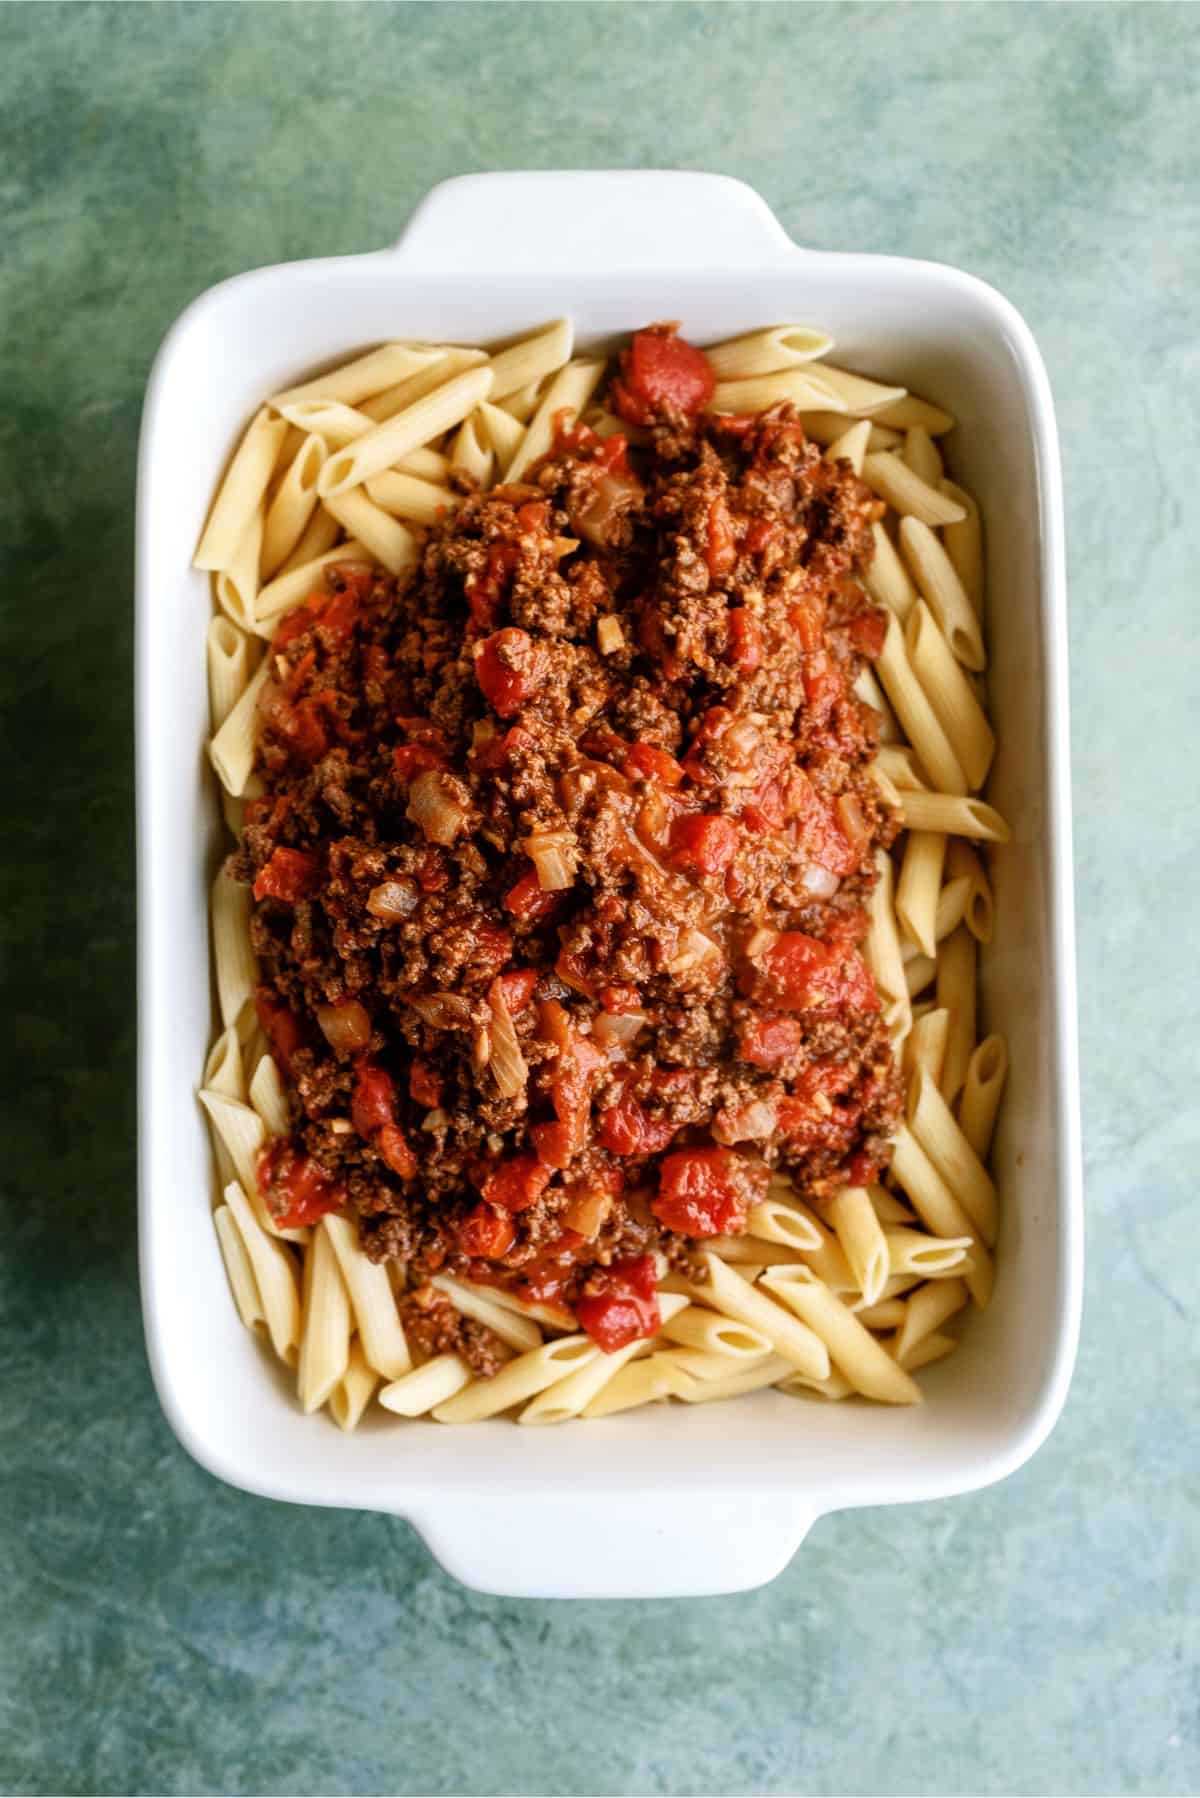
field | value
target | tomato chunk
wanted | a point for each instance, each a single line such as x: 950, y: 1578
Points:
x: 699, y: 1193
x: 619, y: 1304
x: 745, y: 640
x: 868, y: 631
x: 373, y: 1105
x: 527, y: 902
x: 297, y: 1190
x: 649, y: 762
x: 661, y: 372
x: 721, y: 549
x: 283, y: 1028
x: 424, y: 1086
x: 770, y: 1041
x: 394, y: 1147
x: 703, y: 842
x: 509, y: 667
x: 414, y: 758
x: 517, y: 986
x: 289, y: 876
x: 517, y: 1184
x: 486, y: 1233
x: 487, y: 590
x: 626, y: 1128
x: 799, y: 973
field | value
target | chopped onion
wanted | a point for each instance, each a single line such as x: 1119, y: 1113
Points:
x: 586, y: 1211
x: 552, y: 853
x: 760, y: 941
x: 445, y: 1011
x: 694, y: 949
x: 393, y: 900
x: 609, y: 635
x: 819, y: 881
x: 437, y: 804
x: 751, y: 1123
x: 345, y: 1027
x: 616, y: 1032
x: 509, y: 1068
x: 743, y: 739
x: 850, y: 816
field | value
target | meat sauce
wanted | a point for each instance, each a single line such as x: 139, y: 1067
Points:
x: 561, y: 863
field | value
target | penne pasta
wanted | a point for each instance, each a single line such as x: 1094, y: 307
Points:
x: 454, y: 359
x: 763, y: 1373
x: 517, y: 1332
x: 372, y: 1301
x: 325, y: 1325
x: 904, y: 414
x: 956, y: 994
x: 868, y: 689
x: 963, y: 862
x: 926, y: 1046
x: 410, y: 429
x: 955, y: 815
x: 365, y: 375
x: 242, y: 1283
x: 887, y: 579
x: 918, y: 717
x: 240, y: 495
x: 836, y: 1387
x: 923, y: 456
x: 233, y: 957
x: 851, y: 1348
x: 855, y: 392
x: 851, y: 446
x: 407, y: 496
x: 893, y: 480
x: 913, y: 1252
x: 887, y: 1207
x: 926, y: 1311
x: 274, y: 1276
x: 939, y: 1210
x: 333, y: 422
x: 919, y: 887
x: 571, y: 1396
x: 352, y: 1394
x: 473, y: 454
x: 504, y: 433
x: 826, y: 427
x: 726, y: 1291
x: 882, y: 946
x: 232, y: 657
x: 940, y: 1135
x: 919, y: 971
x: 766, y: 352
x: 639, y: 1383
x: 292, y: 587
x: 963, y: 543
x: 711, y: 1334
x: 982, y: 1088
x: 384, y: 536
x: 236, y: 587
x: 527, y: 362
x: 934, y: 574
x: 861, y: 1239
x: 799, y: 387
x: 417, y: 1393
x: 926, y: 1352
x: 951, y: 906
x: 773, y: 1220
x: 530, y: 1373
x: 291, y: 509
x: 268, y: 1098
x: 888, y: 1314
x: 231, y: 751
x: 223, y: 1067
x: 524, y: 403
x: 898, y: 763
x: 569, y: 392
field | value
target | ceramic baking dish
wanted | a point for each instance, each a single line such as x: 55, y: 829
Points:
x: 679, y: 1500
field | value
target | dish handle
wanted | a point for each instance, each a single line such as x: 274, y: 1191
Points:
x: 604, y: 221
x: 616, y: 1544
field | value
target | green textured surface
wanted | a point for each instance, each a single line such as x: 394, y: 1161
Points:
x: 161, y: 1633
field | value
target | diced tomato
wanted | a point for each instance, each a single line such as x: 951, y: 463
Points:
x: 298, y: 1192
x: 515, y: 1185
x: 618, y: 998
x: 699, y: 1193
x: 424, y: 1086
x: 509, y: 667
x: 486, y: 1233
x: 300, y: 725
x: 341, y: 613
x: 660, y: 371
x: 373, y: 1105
x: 574, y: 970
x: 414, y: 758
x: 766, y: 810
x: 528, y: 903
x: 498, y: 750
x: 862, y: 1169
x: 760, y: 534
x: 745, y: 640
x: 868, y: 631
x: 812, y: 1115
x: 768, y: 1041
x: 703, y: 842
x: 626, y: 1128
x: 712, y: 727
x: 555, y: 1143
x: 818, y: 833
x: 517, y: 986
x: 532, y: 515
x: 575, y: 1067
x: 289, y: 876
x: 486, y: 591
x: 799, y: 973
x: 281, y: 1025
x: 720, y: 551
x: 619, y: 1304
x: 647, y: 761
x: 393, y: 1146
x: 300, y: 619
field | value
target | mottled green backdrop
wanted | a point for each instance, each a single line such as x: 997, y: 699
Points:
x: 161, y: 1633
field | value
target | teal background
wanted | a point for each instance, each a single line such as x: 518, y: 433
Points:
x: 162, y: 1633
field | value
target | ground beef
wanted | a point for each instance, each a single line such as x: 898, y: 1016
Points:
x: 561, y: 861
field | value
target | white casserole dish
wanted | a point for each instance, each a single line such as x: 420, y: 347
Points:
x: 679, y: 1500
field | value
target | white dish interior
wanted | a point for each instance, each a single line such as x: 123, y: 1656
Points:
x: 676, y: 1500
